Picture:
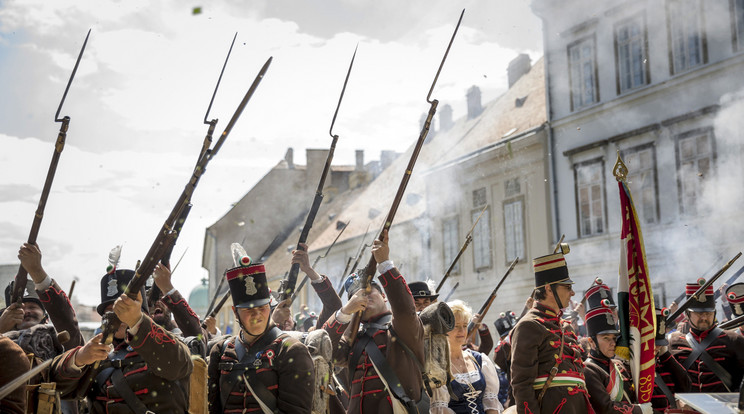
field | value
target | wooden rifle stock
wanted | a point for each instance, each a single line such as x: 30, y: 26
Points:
x: 472, y: 327
x: 155, y: 292
x: 289, y: 287
x: 733, y: 323
x: 217, y: 308
x: 701, y: 290
x: 369, y: 270
x: 166, y: 235
x: 19, y: 286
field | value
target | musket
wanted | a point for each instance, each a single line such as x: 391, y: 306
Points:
x: 701, y: 290
x: 289, y: 287
x: 216, y: 294
x: 72, y: 288
x: 166, y: 234
x: 733, y: 323
x: 468, y: 240
x: 340, y: 286
x: 155, y: 292
x: 363, y: 246
x: 454, y: 288
x: 20, y: 279
x: 23, y: 379
x: 369, y: 271
x: 728, y: 282
x: 487, y: 304
x: 712, y: 267
x: 217, y: 308
x: 315, y: 263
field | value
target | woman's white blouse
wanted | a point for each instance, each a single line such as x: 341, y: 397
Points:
x: 440, y: 399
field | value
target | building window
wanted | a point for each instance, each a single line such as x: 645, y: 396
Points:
x: 451, y: 242
x: 695, y: 164
x: 685, y: 34
x: 641, y: 162
x: 481, y: 239
x: 737, y: 24
x: 631, y: 54
x: 512, y: 188
x: 514, y: 229
x: 590, y: 197
x: 583, y: 69
x: 479, y: 197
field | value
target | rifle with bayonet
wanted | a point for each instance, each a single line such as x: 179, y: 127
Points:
x: 315, y: 263
x: 449, y: 295
x: 166, y: 234
x: 369, y: 271
x: 288, y: 288
x: 155, y: 292
x: 19, y: 285
x: 701, y: 290
x: 472, y: 327
x: 712, y: 267
x: 468, y: 240
x: 360, y: 251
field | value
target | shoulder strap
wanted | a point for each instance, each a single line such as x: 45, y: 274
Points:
x: 699, y: 350
x: 553, y: 371
x: 667, y: 392
x: 386, y: 373
x: 122, y: 387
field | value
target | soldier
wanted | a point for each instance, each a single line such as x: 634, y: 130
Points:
x: 713, y: 358
x: 671, y: 376
x: 547, y: 373
x: 502, y: 355
x: 15, y: 364
x: 608, y: 380
x: 261, y: 368
x: 735, y: 297
x: 147, y: 371
x: 389, y: 349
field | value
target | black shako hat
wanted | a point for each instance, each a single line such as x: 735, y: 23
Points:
x: 248, y: 285
x: 600, y: 321
x: 551, y: 269
x: 113, y: 285
x: 29, y: 295
x: 505, y: 323
x: 421, y: 290
x: 599, y: 295
x: 661, y: 315
x: 353, y: 283
x: 735, y: 297
x: 705, y: 302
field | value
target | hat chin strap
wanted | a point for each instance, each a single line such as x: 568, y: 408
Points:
x: 555, y: 295
x: 244, y: 329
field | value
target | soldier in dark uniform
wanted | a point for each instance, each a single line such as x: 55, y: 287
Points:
x: 713, y: 358
x: 671, y: 376
x: 547, y: 372
x: 260, y: 369
x: 398, y: 335
x: 735, y: 298
x: 502, y: 355
x: 608, y: 380
x: 148, y: 368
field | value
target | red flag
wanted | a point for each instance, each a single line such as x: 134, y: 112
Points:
x: 636, y: 309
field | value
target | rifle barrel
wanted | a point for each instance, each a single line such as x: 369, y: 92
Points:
x: 217, y: 308
x: 487, y: 304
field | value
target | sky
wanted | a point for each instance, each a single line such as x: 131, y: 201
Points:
x: 140, y: 95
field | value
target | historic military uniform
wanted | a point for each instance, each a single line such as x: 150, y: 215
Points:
x: 608, y: 380
x: 671, y: 376
x: 390, y: 333
x: 713, y: 358
x: 273, y: 373
x: 148, y: 370
x: 502, y: 355
x: 547, y: 372
x: 15, y: 364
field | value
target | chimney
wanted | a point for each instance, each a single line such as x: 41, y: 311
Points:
x: 445, y: 118
x: 289, y: 157
x: 519, y: 66
x: 474, y: 102
x: 359, y: 160
x: 386, y: 158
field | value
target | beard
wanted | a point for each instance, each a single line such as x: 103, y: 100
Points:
x: 162, y: 317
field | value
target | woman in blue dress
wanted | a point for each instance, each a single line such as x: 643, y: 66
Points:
x: 476, y: 383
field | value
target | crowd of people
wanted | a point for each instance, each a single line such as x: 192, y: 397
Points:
x: 410, y: 353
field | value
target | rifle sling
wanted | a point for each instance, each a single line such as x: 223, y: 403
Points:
x: 381, y: 324
x: 699, y: 350
x: 667, y: 392
x: 386, y: 373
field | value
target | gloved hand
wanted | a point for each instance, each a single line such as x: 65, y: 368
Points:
x: 646, y: 408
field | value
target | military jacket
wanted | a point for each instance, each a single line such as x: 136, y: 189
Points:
x: 502, y: 358
x: 674, y: 376
x: 188, y: 321
x: 329, y: 298
x: 605, y: 376
x: 368, y: 394
x: 536, y: 343
x: 15, y: 364
x: 60, y: 311
x: 727, y: 349
x: 284, y: 367
x: 155, y: 365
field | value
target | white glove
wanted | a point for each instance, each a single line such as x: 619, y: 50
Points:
x: 646, y: 408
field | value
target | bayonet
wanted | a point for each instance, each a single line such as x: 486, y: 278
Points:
x: 449, y: 295
x: 468, y: 240
x: 288, y: 288
x: 23, y: 379
x: 21, y: 276
x: 369, y: 270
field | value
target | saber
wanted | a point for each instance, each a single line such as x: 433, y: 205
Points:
x: 23, y: 379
